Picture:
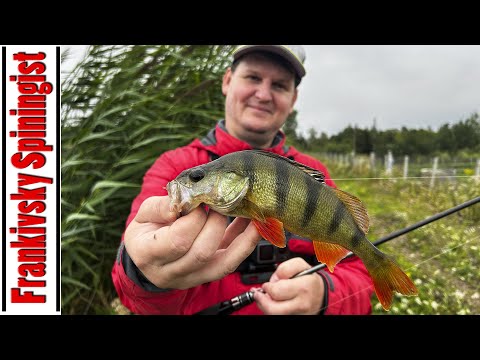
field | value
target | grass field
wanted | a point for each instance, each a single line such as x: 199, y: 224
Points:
x: 443, y: 257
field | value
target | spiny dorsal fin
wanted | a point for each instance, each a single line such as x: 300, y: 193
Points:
x: 356, y: 208
x: 316, y: 174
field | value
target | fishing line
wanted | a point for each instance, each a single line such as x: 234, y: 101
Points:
x: 407, y: 178
x: 444, y: 252
x: 242, y: 300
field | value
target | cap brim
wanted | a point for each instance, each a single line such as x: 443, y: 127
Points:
x: 276, y: 49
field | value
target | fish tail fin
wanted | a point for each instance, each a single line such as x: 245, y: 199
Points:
x: 388, y: 277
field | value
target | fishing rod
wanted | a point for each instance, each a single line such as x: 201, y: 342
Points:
x: 242, y: 300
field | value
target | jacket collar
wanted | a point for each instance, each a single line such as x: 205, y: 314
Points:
x: 220, y: 142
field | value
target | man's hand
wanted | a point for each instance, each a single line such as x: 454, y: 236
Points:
x: 188, y: 251
x: 285, y: 296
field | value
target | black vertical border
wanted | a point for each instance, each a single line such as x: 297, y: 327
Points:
x: 4, y: 183
x: 58, y: 186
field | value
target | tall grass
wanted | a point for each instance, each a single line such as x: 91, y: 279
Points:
x: 122, y: 106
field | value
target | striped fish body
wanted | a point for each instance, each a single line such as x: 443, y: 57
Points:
x: 278, y: 193
x: 299, y: 199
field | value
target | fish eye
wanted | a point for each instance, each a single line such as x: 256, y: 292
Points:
x: 197, y: 175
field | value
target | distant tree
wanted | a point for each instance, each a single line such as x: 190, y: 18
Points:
x: 464, y: 135
x: 290, y: 127
x: 322, y: 141
x: 302, y: 143
x: 387, y: 141
x: 467, y: 132
x: 312, y: 135
x: 445, y: 139
x: 363, y: 141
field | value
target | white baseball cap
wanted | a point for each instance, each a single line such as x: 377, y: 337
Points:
x: 294, y: 54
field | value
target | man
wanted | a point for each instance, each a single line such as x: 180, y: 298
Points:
x: 167, y: 265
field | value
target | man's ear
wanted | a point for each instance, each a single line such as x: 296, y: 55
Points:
x: 227, y: 77
x: 294, y: 100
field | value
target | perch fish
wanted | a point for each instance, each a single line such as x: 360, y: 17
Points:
x: 277, y: 193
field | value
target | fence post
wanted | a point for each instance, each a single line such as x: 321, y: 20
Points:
x: 405, y: 167
x: 434, y: 170
x: 372, y: 162
x: 388, y: 163
x: 353, y: 160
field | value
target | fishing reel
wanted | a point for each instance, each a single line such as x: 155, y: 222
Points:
x: 259, y: 266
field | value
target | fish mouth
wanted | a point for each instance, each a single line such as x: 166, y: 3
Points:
x: 180, y: 198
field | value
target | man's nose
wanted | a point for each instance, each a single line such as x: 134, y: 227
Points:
x: 264, y: 92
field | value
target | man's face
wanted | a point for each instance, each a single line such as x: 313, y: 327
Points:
x: 260, y: 95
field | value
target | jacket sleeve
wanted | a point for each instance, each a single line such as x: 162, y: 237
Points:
x: 134, y: 290
x: 348, y: 289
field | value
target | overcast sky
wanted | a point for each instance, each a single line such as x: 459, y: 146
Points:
x: 416, y: 86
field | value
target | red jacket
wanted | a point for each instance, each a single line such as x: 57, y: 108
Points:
x: 349, y: 286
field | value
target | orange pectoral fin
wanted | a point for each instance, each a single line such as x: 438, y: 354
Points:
x: 329, y: 254
x: 271, y: 230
